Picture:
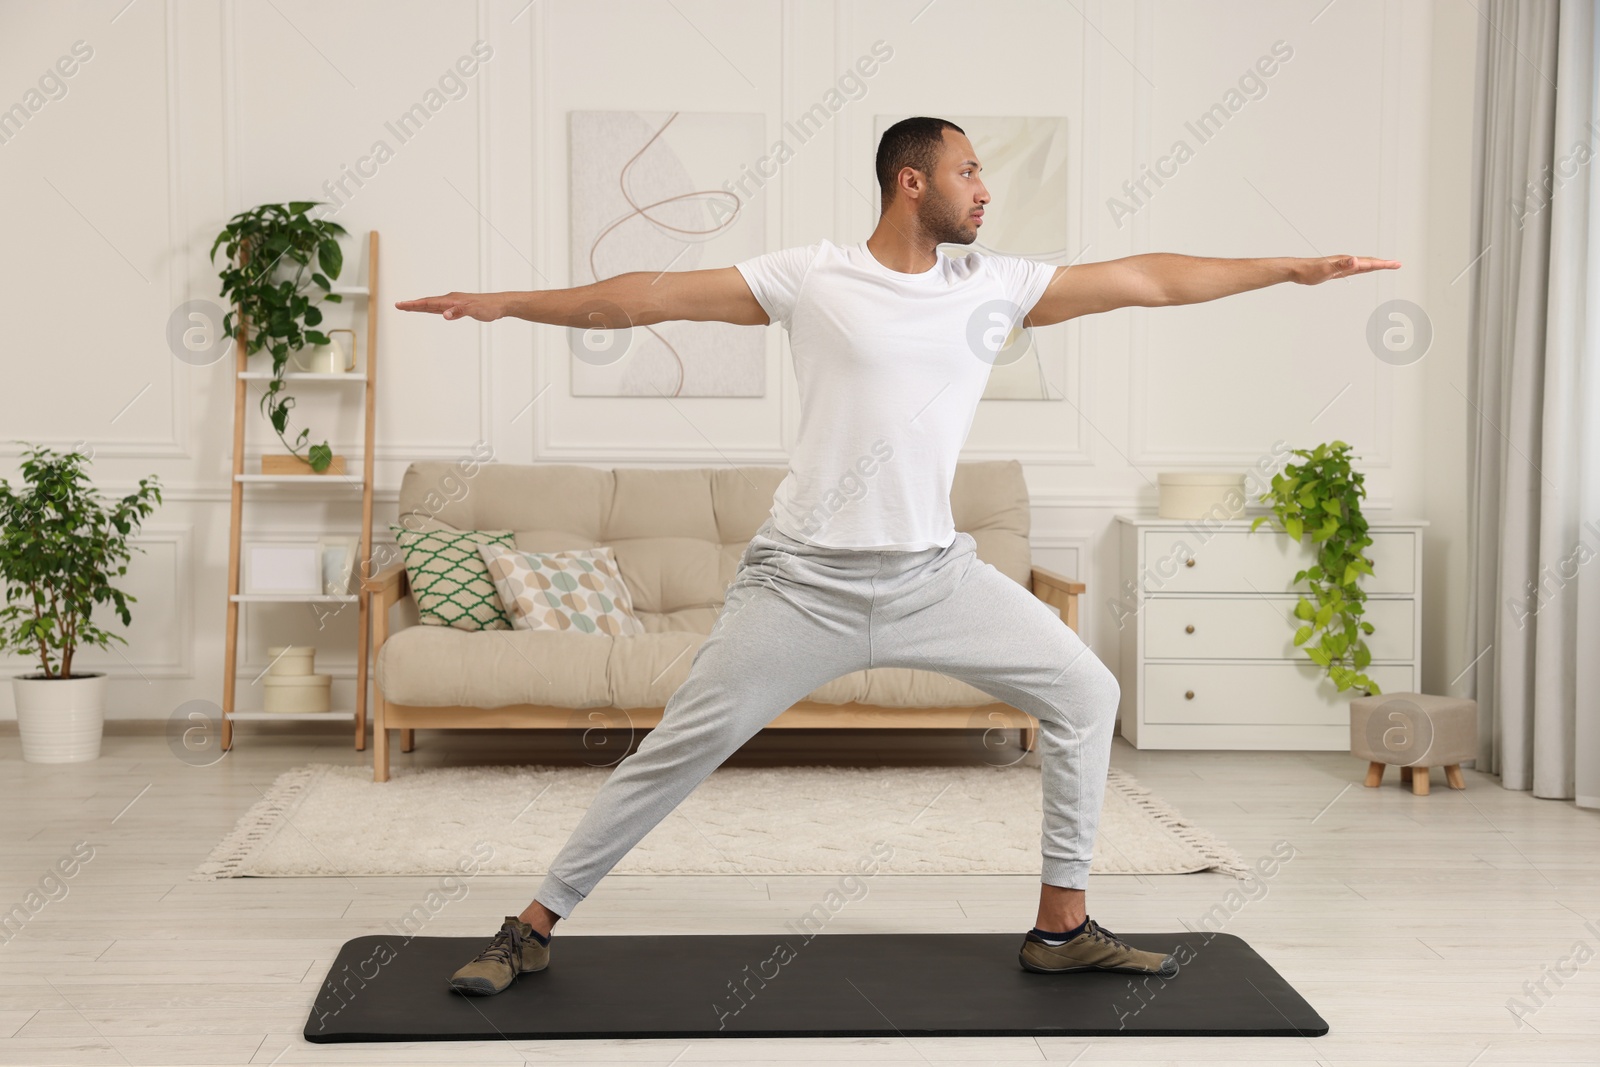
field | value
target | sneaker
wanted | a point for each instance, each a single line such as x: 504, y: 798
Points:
x: 513, y: 951
x: 1094, y: 949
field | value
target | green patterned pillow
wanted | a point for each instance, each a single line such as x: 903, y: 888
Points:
x: 448, y: 577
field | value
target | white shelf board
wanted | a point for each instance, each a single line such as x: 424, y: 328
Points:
x: 294, y: 598
x: 337, y: 715
x: 351, y: 290
x: 302, y: 376
x: 301, y: 479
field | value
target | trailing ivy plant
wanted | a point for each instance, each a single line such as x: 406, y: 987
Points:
x: 280, y: 313
x: 1322, y: 497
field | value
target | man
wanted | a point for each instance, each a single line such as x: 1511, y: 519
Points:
x: 892, y: 345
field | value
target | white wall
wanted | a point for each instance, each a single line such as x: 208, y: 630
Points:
x: 187, y: 113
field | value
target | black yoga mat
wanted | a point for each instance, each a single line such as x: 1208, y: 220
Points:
x: 388, y: 987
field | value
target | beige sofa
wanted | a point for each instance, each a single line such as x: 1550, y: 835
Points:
x: 678, y: 535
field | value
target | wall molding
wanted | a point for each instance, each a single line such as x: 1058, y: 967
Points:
x: 1132, y: 503
x: 233, y: 194
x: 845, y: 213
x: 1382, y: 406
x: 114, y: 660
x: 1079, y: 499
x: 179, y: 444
x: 1079, y: 543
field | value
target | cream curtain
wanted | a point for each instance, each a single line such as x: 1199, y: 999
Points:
x: 1533, y: 546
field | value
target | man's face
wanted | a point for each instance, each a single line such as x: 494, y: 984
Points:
x: 952, y: 210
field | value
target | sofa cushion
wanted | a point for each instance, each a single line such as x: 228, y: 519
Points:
x: 439, y: 666
x: 645, y: 671
x: 431, y: 666
x: 677, y: 533
x: 575, y: 590
x: 449, y: 579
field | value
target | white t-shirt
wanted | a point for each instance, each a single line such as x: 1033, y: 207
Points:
x: 891, y: 367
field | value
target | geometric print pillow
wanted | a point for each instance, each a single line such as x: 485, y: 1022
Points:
x: 448, y: 578
x: 578, y: 589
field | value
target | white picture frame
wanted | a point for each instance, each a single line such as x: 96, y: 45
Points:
x: 338, y: 556
x: 282, y: 568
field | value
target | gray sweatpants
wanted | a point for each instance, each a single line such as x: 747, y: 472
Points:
x: 797, y: 616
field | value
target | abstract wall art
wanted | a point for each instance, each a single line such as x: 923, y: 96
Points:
x: 654, y: 191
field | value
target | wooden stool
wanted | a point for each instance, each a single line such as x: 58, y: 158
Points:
x: 1414, y: 731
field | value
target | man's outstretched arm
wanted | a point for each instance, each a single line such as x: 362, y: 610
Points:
x: 637, y: 298
x: 1160, y: 279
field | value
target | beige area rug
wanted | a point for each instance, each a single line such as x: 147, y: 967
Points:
x: 322, y: 819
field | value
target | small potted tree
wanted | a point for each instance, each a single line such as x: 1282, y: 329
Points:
x: 1321, y: 498
x: 60, y: 547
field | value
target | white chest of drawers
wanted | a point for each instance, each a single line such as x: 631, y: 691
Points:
x: 1207, y: 655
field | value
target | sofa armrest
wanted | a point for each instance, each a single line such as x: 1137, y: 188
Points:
x: 1060, y: 592
x: 390, y: 584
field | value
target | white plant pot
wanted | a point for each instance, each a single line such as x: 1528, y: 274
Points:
x: 60, y: 719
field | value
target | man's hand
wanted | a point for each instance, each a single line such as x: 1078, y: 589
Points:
x: 1313, y: 271
x: 485, y: 307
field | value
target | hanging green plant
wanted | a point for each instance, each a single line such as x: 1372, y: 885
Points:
x: 280, y: 313
x: 1322, y: 498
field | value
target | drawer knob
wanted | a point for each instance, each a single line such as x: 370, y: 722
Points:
x: 1189, y: 695
x: 1189, y: 562
x: 1189, y: 629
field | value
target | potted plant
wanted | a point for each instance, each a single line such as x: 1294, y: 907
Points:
x: 1321, y: 498
x: 60, y: 547
x: 260, y: 245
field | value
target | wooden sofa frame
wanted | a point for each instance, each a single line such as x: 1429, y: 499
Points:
x: 390, y: 585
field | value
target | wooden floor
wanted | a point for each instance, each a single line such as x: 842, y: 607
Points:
x: 1408, y: 922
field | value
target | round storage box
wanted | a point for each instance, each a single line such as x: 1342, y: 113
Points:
x: 1201, y: 495
x: 296, y: 693
x: 291, y: 659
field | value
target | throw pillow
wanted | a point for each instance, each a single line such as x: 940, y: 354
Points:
x: 579, y: 589
x: 448, y: 578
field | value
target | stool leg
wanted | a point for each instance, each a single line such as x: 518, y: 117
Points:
x: 1452, y: 773
x: 1375, y: 774
x: 1419, y: 782
x: 1405, y: 775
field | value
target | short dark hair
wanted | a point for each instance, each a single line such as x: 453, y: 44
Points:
x: 915, y: 143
